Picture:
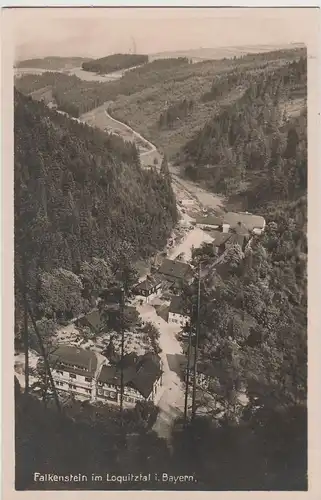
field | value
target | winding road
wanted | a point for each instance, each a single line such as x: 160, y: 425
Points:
x: 183, y: 188
x: 151, y: 147
x: 170, y: 398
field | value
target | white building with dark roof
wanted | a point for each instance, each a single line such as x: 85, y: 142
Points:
x: 149, y: 288
x: 209, y: 222
x: 252, y: 223
x: 87, y: 374
x: 142, y: 375
x: 176, y: 314
x: 75, y: 370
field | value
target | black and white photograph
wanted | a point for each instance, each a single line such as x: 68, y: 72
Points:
x: 160, y: 248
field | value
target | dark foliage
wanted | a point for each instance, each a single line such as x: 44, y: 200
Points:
x: 253, y: 136
x: 114, y: 62
x: 80, y: 194
x: 75, y: 96
x: 175, y: 112
x: 52, y: 62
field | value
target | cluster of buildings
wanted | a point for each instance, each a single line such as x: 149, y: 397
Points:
x: 91, y: 375
x: 171, y: 275
x: 231, y: 228
x: 88, y: 375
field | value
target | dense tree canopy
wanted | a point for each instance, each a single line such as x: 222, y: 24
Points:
x: 114, y: 62
x: 253, y: 135
x: 82, y: 202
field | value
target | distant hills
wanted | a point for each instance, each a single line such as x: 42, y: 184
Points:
x: 114, y: 62
x: 223, y: 52
x: 52, y: 62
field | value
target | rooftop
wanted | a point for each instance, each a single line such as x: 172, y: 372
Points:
x: 93, y: 318
x: 81, y: 359
x: 148, y: 283
x: 211, y: 220
x: 237, y: 239
x: 220, y: 238
x: 176, y: 305
x: 140, y: 372
x: 174, y: 268
x: 250, y: 221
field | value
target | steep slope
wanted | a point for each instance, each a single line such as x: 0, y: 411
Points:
x: 114, y: 62
x: 249, y: 141
x: 80, y: 193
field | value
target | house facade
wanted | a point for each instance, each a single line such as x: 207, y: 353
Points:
x: 209, y: 222
x: 254, y: 224
x: 148, y: 289
x: 74, y: 370
x: 142, y: 376
x: 91, y: 320
x: 176, y: 314
x: 175, y: 272
x: 81, y: 373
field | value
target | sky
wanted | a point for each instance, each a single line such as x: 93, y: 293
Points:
x: 94, y: 32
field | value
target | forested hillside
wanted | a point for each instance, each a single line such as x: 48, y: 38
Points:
x: 253, y: 313
x: 76, y: 96
x: 52, y: 62
x: 211, y: 85
x: 256, y: 144
x: 80, y: 195
x: 114, y: 62
x: 253, y: 342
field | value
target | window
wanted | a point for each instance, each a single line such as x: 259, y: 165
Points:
x: 88, y: 379
x: 72, y: 386
x: 60, y: 372
x: 88, y: 390
x: 71, y: 375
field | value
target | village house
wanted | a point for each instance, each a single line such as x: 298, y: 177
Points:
x: 221, y: 241
x: 74, y: 370
x: 254, y: 224
x: 231, y: 221
x: 148, y: 289
x: 209, y: 222
x: 176, y: 314
x: 82, y: 373
x: 91, y: 320
x: 175, y: 272
x: 142, y: 375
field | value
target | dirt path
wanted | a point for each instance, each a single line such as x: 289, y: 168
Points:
x: 151, y: 146
x: 170, y: 398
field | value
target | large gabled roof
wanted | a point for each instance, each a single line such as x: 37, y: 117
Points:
x: 250, y: 221
x: 139, y: 372
x: 176, y: 305
x: 210, y: 220
x: 81, y: 358
x: 220, y: 238
x: 93, y: 318
x: 174, y: 269
x: 149, y: 283
x: 149, y: 370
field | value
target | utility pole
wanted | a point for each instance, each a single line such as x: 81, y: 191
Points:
x: 188, y: 368
x: 196, y: 342
x: 41, y: 345
x: 122, y: 331
x: 25, y: 327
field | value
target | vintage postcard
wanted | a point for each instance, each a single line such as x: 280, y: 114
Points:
x: 157, y: 164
